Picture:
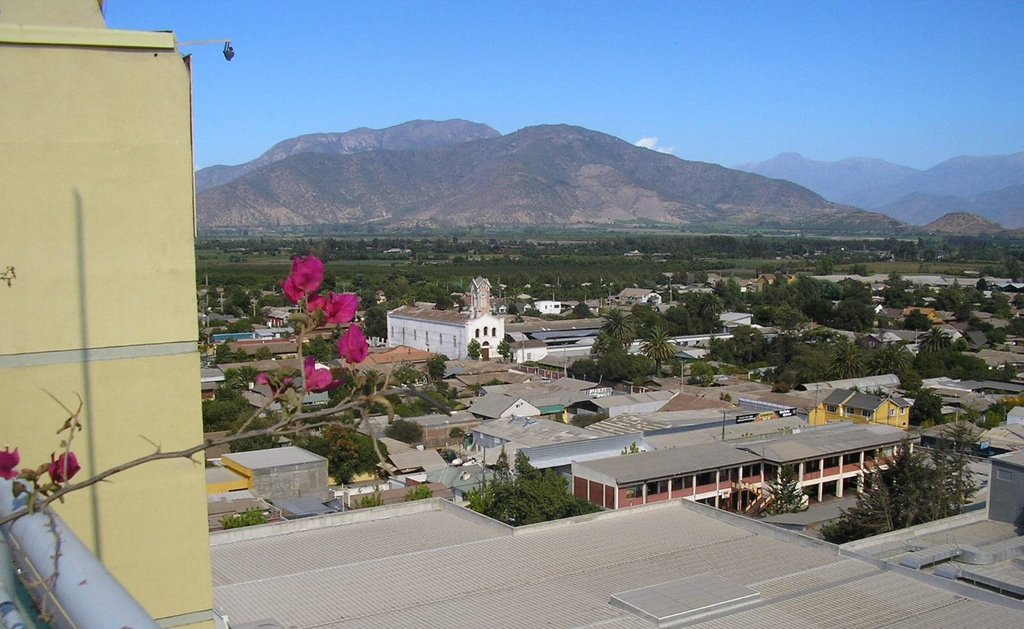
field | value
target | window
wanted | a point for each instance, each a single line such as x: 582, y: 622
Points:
x: 477, y: 332
x: 494, y: 331
x: 1004, y: 475
x: 831, y: 408
x: 706, y: 478
x: 633, y: 491
x: 657, y: 487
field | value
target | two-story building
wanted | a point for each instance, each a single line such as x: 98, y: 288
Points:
x: 861, y: 408
x: 830, y: 460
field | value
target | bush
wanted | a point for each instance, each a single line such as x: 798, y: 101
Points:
x: 405, y: 431
x: 419, y: 492
x: 251, y: 517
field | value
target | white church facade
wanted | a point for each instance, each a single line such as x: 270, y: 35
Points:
x: 448, y: 332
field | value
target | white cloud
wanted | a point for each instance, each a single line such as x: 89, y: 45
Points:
x: 652, y: 143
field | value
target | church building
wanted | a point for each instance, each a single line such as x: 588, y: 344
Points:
x: 448, y: 332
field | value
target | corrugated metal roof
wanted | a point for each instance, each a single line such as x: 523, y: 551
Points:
x: 441, y: 569
x: 634, y: 468
x: 824, y: 441
x: 273, y: 457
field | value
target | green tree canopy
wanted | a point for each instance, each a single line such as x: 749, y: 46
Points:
x: 347, y: 451
x: 785, y: 492
x: 657, y: 346
x: 910, y: 490
x: 526, y: 495
x: 405, y: 431
x: 620, y: 327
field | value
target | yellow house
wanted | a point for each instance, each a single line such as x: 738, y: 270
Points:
x: 861, y: 408
x: 96, y: 187
x: 931, y: 313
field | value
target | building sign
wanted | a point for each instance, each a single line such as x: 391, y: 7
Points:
x: 765, y: 415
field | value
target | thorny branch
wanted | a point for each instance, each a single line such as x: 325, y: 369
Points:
x: 288, y: 425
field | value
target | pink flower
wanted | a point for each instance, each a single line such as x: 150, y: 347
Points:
x: 276, y: 388
x: 64, y: 467
x: 306, y: 276
x: 339, y: 308
x: 8, y: 461
x: 319, y: 379
x: 292, y: 292
x: 353, y: 345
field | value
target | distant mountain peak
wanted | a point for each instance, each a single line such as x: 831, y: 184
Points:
x: 963, y: 223
x: 411, y: 135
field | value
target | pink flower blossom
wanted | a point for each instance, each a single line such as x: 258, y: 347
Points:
x: 306, y: 276
x: 275, y: 387
x: 319, y: 379
x: 353, y: 345
x: 339, y: 308
x: 64, y: 467
x: 8, y: 462
x: 292, y: 292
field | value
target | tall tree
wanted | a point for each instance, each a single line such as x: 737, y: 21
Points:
x: 935, y: 340
x: 657, y: 346
x: 785, y: 492
x: 892, y: 358
x: 241, y: 377
x: 846, y: 360
x: 620, y: 327
x: 956, y: 441
x: 908, y: 491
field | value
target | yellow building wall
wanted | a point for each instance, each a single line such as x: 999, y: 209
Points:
x: 819, y: 416
x: 241, y: 470
x: 98, y: 216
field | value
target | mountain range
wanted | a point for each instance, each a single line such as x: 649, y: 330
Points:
x: 415, y: 135
x: 465, y: 174
x: 990, y: 186
x: 461, y: 173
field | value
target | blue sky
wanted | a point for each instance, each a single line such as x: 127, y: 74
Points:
x: 727, y: 82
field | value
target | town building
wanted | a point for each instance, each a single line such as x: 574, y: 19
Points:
x: 733, y: 475
x: 674, y: 563
x: 98, y: 222
x: 1006, y: 496
x: 633, y: 296
x: 448, y: 332
x: 280, y: 473
x: 851, y: 405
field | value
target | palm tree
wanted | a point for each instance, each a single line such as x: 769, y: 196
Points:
x: 241, y: 377
x: 710, y: 306
x: 845, y: 359
x: 935, y: 340
x: 620, y: 326
x: 657, y: 346
x: 602, y: 344
x: 893, y: 358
